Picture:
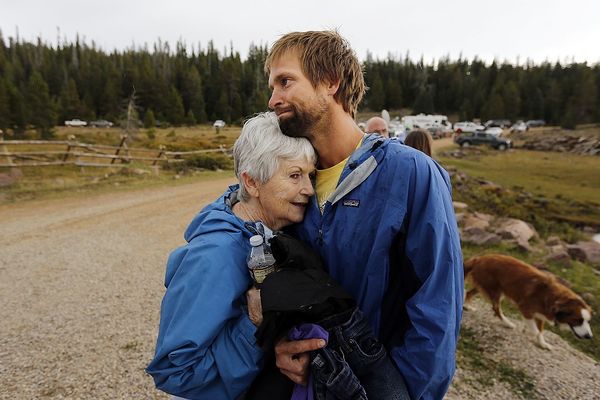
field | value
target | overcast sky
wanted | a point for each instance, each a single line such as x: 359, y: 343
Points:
x: 505, y: 30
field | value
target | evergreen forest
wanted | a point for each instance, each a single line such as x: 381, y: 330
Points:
x: 42, y: 85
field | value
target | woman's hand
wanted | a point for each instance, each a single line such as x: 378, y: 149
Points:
x: 254, y: 306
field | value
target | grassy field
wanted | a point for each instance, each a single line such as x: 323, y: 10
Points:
x: 549, y: 174
x: 174, y: 138
x: 556, y: 192
x: 58, y: 181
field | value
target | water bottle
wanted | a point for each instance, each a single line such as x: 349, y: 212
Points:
x: 260, y: 260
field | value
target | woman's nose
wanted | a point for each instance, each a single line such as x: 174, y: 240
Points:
x: 307, y: 187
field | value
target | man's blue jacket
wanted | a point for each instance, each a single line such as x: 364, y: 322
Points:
x: 388, y: 235
x: 206, y: 347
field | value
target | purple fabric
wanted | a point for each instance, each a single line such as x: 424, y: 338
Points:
x: 306, y: 331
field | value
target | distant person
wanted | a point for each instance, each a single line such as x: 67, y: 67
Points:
x: 420, y: 140
x: 378, y: 125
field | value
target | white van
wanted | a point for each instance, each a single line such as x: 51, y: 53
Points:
x: 426, y: 121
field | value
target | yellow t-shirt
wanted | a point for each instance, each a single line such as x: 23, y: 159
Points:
x: 327, y: 180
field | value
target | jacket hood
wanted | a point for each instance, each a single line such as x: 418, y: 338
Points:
x: 217, y: 216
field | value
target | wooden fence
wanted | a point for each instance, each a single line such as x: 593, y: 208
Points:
x: 39, y: 153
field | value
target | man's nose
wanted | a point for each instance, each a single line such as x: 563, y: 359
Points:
x: 275, y: 100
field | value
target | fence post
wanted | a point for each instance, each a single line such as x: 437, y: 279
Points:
x: 4, y: 150
x: 71, y: 139
x: 160, y: 153
x: 123, y: 144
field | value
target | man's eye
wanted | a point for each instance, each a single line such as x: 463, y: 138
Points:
x: 295, y: 176
x: 284, y: 81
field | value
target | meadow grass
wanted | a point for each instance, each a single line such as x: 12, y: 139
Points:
x: 183, y: 138
x: 59, y: 181
x: 558, y: 193
x: 550, y: 174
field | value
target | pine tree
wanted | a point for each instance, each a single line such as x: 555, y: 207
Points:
x: 424, y: 102
x: 149, y: 120
x: 17, y: 109
x: 190, y: 119
x: 4, y: 106
x: 376, y: 94
x: 41, y: 109
x: 69, y: 102
x: 193, y: 95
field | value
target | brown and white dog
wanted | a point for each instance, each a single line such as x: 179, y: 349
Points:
x: 539, y: 295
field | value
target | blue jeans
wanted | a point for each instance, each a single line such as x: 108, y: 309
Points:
x: 354, y: 365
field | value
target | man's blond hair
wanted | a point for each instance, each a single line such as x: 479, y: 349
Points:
x: 326, y: 57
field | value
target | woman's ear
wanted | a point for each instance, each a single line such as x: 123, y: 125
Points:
x: 250, y: 184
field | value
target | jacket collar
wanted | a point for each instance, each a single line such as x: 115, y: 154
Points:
x: 360, y: 166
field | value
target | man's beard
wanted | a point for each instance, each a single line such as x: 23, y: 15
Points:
x: 302, y: 123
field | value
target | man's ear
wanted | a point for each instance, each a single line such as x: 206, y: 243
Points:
x: 250, y: 184
x: 333, y: 87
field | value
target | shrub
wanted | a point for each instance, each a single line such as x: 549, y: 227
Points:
x: 211, y: 162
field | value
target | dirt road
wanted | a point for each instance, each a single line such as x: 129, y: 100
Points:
x: 81, y: 289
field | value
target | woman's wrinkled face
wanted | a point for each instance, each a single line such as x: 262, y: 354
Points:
x: 284, y: 197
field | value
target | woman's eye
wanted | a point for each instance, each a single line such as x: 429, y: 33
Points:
x: 295, y: 176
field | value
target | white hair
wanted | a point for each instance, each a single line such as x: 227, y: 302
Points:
x: 260, y: 147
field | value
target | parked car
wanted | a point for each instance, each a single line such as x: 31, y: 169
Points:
x: 75, y: 122
x: 101, y: 123
x: 219, y: 123
x: 493, y: 130
x: 461, y: 127
x: 436, y: 133
x: 500, y: 123
x: 533, y: 123
x: 478, y: 138
x: 519, y: 127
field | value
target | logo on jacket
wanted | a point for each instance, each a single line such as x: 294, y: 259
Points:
x: 351, y: 203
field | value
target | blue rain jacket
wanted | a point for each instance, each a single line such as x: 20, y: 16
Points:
x: 206, y: 347
x: 388, y: 235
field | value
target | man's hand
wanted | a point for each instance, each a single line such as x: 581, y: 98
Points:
x: 292, y: 358
x: 254, y: 306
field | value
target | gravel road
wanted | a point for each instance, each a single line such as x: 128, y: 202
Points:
x: 82, y: 281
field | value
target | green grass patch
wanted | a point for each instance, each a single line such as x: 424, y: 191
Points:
x: 550, y: 174
x: 184, y: 138
x: 484, y: 371
x: 558, y: 193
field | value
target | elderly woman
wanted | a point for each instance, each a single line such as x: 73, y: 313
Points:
x: 206, y: 346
